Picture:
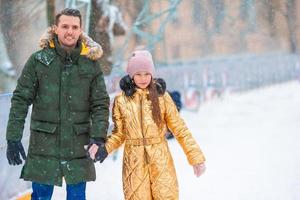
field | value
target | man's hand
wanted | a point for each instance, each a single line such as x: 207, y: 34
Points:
x: 14, y: 152
x: 101, y: 153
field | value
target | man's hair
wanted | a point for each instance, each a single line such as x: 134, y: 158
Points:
x: 68, y: 12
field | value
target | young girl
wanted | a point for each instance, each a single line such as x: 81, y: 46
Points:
x: 142, y: 113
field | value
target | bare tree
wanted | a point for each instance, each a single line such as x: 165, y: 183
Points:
x: 95, y: 15
x: 6, y: 65
x: 287, y: 9
x: 291, y: 21
x: 50, y: 12
x: 105, y: 23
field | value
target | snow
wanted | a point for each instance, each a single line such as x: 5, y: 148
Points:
x: 251, y: 144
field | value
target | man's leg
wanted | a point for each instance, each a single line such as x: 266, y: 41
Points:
x: 41, y: 191
x: 76, y: 191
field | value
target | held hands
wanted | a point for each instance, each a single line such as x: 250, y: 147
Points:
x: 96, y: 149
x: 14, y: 152
x: 199, y: 169
x: 92, y: 151
x: 101, y: 153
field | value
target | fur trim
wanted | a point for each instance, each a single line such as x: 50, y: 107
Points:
x: 94, y: 49
x: 128, y: 86
x: 90, y: 48
x: 160, y: 85
x: 47, y: 37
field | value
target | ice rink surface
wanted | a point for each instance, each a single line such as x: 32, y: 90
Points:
x: 251, y: 142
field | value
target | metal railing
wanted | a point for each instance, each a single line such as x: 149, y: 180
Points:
x: 239, y: 73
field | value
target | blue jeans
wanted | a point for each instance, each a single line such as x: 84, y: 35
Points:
x: 44, y: 192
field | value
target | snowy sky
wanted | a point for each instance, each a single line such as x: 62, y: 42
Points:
x: 251, y: 142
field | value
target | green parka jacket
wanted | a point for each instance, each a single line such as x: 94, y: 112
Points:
x: 70, y: 105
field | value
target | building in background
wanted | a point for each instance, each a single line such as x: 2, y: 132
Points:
x: 204, y: 28
x: 197, y: 28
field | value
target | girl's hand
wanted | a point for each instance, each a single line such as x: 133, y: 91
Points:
x: 199, y: 169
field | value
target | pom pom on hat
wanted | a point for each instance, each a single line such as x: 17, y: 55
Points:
x: 140, y: 61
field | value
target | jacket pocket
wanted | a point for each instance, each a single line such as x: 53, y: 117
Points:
x: 80, y: 139
x: 44, y: 127
x: 43, y: 139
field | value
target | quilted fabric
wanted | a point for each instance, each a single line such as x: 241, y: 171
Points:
x: 148, y: 170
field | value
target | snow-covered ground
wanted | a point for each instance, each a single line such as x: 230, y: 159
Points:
x: 251, y: 142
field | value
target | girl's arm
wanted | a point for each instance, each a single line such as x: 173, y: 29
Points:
x: 116, y: 139
x: 179, y: 129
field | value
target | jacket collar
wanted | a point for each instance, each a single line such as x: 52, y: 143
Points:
x: 89, y: 47
x: 72, y: 54
x: 141, y: 93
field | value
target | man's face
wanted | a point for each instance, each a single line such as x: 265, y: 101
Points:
x: 68, y: 30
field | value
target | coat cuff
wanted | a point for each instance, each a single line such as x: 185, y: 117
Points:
x: 197, y: 159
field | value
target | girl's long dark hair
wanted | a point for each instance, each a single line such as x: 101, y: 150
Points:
x: 153, y: 97
x: 157, y: 87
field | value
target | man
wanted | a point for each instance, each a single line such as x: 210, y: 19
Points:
x: 65, y: 85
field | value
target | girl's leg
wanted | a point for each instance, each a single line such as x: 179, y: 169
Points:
x: 163, y: 178
x: 41, y: 191
x: 76, y: 191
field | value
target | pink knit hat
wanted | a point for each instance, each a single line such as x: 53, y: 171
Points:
x: 140, y: 61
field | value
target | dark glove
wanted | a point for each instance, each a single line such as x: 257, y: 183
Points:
x: 97, y: 141
x: 13, y: 151
x: 100, y: 142
x: 101, y: 153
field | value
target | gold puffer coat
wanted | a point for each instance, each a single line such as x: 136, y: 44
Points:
x: 148, y: 169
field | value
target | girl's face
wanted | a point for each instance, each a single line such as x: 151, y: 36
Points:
x: 142, y: 79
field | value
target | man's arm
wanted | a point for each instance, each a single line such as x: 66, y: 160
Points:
x: 22, y: 98
x: 99, y: 106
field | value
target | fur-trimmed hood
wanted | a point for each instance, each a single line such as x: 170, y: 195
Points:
x: 90, y: 48
x: 129, y: 88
